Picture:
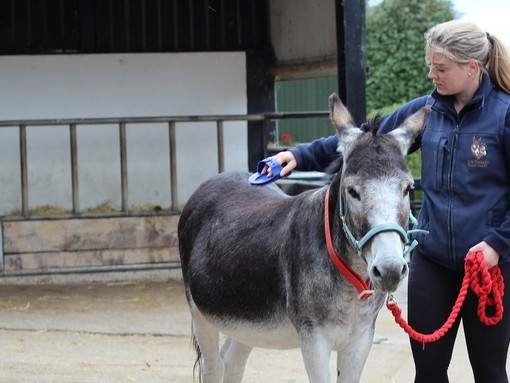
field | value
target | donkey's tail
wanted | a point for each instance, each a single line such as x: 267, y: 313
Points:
x: 196, y: 365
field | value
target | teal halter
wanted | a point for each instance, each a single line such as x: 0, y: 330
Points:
x: 384, y: 227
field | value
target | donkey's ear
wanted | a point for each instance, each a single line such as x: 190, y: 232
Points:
x: 342, y: 120
x: 411, y: 128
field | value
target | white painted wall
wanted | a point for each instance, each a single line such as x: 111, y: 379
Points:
x: 118, y: 85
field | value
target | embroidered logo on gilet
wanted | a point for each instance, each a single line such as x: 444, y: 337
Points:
x: 479, y: 150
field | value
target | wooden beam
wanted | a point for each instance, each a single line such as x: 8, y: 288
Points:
x: 305, y: 70
x: 92, y: 234
x: 351, y: 56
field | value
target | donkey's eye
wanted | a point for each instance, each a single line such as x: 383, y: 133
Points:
x: 353, y: 193
x: 408, y: 190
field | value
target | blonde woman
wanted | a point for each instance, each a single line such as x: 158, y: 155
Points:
x: 465, y: 176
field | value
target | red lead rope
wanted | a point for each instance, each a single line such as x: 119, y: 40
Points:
x: 487, y: 284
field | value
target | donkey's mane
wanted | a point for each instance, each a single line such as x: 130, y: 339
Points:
x: 334, y: 167
x: 372, y: 125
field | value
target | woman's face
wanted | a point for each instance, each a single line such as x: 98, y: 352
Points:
x: 448, y: 77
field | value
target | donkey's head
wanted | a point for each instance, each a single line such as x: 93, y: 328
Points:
x: 374, y: 192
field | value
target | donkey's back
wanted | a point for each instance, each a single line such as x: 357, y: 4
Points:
x: 231, y: 240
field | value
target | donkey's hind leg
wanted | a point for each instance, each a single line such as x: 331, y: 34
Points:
x: 234, y: 355
x: 207, y: 338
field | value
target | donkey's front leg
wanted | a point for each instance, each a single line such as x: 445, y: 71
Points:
x: 316, y: 351
x: 351, y: 359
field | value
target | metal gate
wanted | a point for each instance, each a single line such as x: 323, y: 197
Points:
x: 36, y: 244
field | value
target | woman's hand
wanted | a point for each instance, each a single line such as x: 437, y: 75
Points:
x: 284, y: 158
x: 491, y: 256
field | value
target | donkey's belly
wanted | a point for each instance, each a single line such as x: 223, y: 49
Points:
x: 283, y: 336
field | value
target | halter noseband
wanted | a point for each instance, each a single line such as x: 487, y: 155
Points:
x: 384, y: 227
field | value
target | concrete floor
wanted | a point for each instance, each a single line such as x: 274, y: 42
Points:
x: 139, y: 331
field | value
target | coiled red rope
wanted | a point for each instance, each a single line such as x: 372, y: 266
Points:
x: 486, y: 283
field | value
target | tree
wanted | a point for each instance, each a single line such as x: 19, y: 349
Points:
x: 395, y: 49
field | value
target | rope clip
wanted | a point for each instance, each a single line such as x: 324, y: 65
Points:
x: 391, y: 302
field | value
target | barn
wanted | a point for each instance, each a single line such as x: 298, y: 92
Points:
x: 115, y: 110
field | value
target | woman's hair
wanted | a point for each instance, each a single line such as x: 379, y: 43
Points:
x: 462, y: 41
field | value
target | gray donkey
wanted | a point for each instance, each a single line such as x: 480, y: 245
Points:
x: 310, y: 271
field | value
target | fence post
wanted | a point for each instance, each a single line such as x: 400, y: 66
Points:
x: 173, y: 164
x: 24, y: 169
x: 221, y: 146
x: 74, y: 169
x: 123, y: 167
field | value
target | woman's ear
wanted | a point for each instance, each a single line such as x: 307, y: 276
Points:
x: 473, y: 67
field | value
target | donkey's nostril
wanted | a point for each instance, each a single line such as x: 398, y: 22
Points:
x: 376, y: 272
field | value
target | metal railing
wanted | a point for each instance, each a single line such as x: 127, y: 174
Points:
x: 121, y: 123
x: 171, y: 121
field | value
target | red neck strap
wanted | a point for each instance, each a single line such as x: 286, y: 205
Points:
x: 363, y: 287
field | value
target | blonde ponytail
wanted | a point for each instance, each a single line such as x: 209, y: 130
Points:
x: 498, y: 64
